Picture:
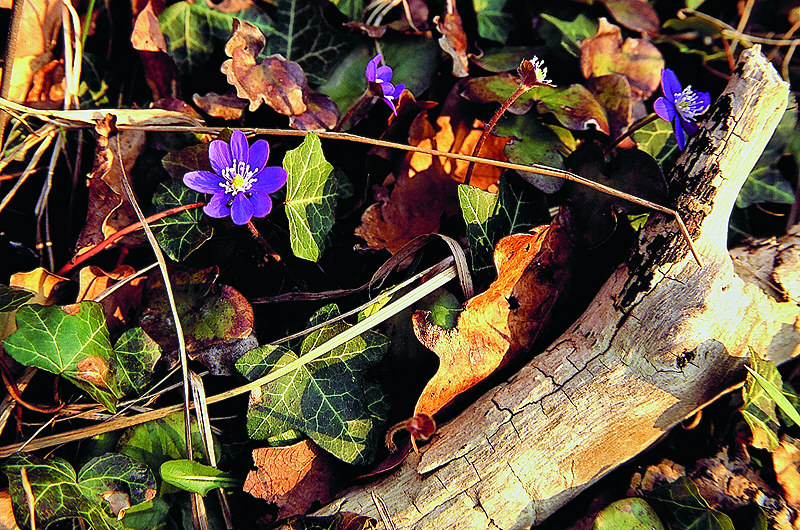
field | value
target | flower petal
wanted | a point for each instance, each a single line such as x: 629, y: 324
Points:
x: 203, y: 181
x: 398, y: 90
x: 384, y: 74
x: 239, y: 147
x: 689, y: 126
x: 664, y: 109
x: 680, y: 135
x: 270, y: 180
x: 259, y: 153
x: 387, y: 89
x: 670, y: 84
x: 241, y: 210
x: 391, y: 105
x: 218, y: 206
x: 702, y: 102
x: 372, y: 68
x: 219, y: 154
x: 261, y: 204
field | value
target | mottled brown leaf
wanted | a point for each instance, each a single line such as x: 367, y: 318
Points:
x: 495, y: 326
x: 279, y: 83
x: 47, y: 87
x: 322, y: 114
x: 637, y: 59
x: 453, y: 41
x: 613, y: 92
x: 226, y: 106
x: 637, y: 15
x: 292, y: 477
x: 425, y: 188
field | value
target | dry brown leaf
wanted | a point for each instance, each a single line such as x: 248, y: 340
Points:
x: 229, y: 6
x: 786, y: 461
x: 637, y: 59
x: 118, y: 306
x: 279, y: 83
x: 146, y: 35
x: 39, y: 26
x: 495, y: 326
x: 226, y: 106
x: 453, y: 41
x: 292, y: 477
x: 108, y: 210
x: 7, y: 520
x: 161, y: 74
x: 47, y: 87
x: 322, y: 114
x: 426, y: 187
x: 44, y: 283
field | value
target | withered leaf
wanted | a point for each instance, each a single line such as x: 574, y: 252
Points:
x: 453, y: 41
x: 637, y: 59
x: 279, y: 83
x: 147, y: 35
x: 613, y: 91
x: 40, y: 24
x: 495, y: 326
x: 292, y: 477
x: 118, y: 306
x: 786, y: 461
x: 226, y: 106
x: 47, y: 86
x: 425, y: 188
x: 322, y: 114
x: 637, y: 15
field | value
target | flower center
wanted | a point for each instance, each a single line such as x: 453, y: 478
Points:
x: 687, y: 105
x: 239, y: 178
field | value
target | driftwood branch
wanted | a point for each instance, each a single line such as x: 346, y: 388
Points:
x: 661, y: 339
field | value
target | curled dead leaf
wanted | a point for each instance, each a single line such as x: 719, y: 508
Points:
x: 279, y: 83
x: 786, y: 461
x: 226, y: 106
x: 322, y: 114
x: 40, y: 25
x: 47, y: 87
x: 453, y: 41
x: 497, y: 325
x: 292, y: 477
x: 119, y: 306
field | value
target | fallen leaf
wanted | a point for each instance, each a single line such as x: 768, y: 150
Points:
x: 146, y: 35
x: 293, y: 477
x: 40, y: 26
x: 637, y: 15
x: 497, y: 325
x: 7, y: 521
x: 322, y: 114
x: 279, y: 83
x: 613, y: 92
x: 226, y: 106
x: 47, y: 87
x: 118, y: 306
x: 108, y: 210
x: 47, y: 286
x: 786, y: 461
x: 637, y: 59
x: 229, y: 6
x: 453, y: 41
x: 160, y: 71
x: 425, y: 188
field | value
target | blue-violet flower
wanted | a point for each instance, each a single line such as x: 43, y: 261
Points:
x: 240, y: 183
x: 380, y: 78
x: 681, y: 106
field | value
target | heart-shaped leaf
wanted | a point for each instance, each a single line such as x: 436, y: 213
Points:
x: 182, y: 233
x: 137, y: 355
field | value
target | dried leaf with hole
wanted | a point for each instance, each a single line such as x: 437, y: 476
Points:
x: 502, y: 322
x: 637, y: 59
x: 108, y: 210
x: 293, y: 477
x: 426, y: 187
x: 279, y: 83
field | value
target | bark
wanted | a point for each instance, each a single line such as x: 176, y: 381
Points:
x: 662, y: 338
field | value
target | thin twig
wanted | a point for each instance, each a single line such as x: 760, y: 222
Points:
x: 8, y: 64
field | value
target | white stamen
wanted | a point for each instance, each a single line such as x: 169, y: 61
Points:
x: 686, y: 104
x: 239, y: 178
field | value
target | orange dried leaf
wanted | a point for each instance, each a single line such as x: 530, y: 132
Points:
x: 786, y: 461
x: 292, y: 477
x: 40, y: 25
x: 279, y: 83
x: 120, y: 304
x: 502, y: 322
x: 225, y: 106
x: 426, y: 187
x: 147, y: 35
x: 44, y: 283
x: 637, y: 59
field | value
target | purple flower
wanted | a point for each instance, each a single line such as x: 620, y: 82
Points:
x: 380, y: 79
x: 681, y: 106
x: 240, y: 183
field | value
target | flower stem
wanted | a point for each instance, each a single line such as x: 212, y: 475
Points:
x: 267, y: 247
x: 489, y: 126
x: 116, y: 236
x: 650, y: 118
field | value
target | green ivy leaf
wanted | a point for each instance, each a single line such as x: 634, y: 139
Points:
x: 684, y: 508
x: 493, y: 23
x: 631, y: 514
x: 182, y: 233
x: 195, y: 477
x: 573, y: 32
x: 192, y: 158
x: 194, y: 32
x: 352, y: 9
x: 657, y: 139
x: 74, y: 345
x: 490, y: 216
x: 137, y: 355
x: 59, y: 494
x: 310, y: 198
x: 327, y: 399
x: 758, y: 408
x: 12, y: 298
x: 765, y: 184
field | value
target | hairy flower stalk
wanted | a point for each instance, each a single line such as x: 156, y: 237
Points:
x: 531, y: 73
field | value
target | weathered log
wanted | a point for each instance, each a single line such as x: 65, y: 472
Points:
x: 662, y: 337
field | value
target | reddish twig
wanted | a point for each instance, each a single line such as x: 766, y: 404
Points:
x: 13, y: 391
x: 116, y: 236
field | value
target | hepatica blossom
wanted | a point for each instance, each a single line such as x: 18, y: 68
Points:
x: 380, y: 79
x: 681, y: 106
x: 241, y: 182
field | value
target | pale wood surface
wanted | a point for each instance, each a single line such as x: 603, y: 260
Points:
x: 660, y: 339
